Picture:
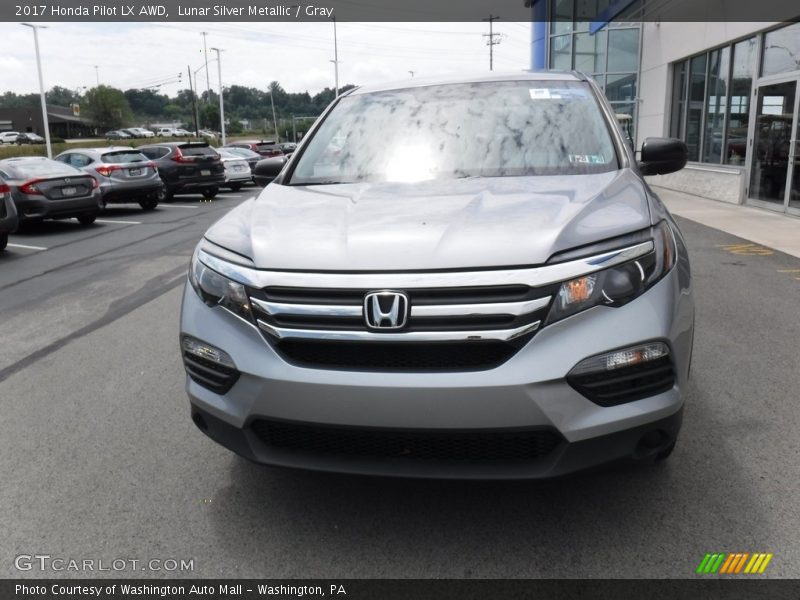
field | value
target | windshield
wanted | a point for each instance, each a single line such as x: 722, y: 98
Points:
x: 490, y: 129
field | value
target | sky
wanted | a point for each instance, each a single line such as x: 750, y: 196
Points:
x: 136, y: 55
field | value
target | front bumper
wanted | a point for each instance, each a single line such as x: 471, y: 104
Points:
x: 526, y: 393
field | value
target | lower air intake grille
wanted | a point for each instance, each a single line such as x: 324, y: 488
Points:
x: 400, y: 356
x: 211, y: 375
x: 409, y: 445
x: 626, y: 384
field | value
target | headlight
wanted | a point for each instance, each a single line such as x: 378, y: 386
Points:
x: 617, y: 285
x: 217, y: 290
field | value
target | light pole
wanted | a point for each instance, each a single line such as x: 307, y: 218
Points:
x: 205, y: 55
x: 274, y: 121
x: 97, y: 74
x: 41, y: 87
x: 335, y: 60
x: 221, y: 104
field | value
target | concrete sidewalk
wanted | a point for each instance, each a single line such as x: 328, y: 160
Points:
x: 773, y: 230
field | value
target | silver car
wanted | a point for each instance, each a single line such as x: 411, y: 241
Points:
x: 237, y: 169
x: 124, y: 174
x: 465, y: 278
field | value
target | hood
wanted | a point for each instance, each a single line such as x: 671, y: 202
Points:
x: 456, y: 224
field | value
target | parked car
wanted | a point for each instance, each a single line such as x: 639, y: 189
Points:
x: 288, y: 148
x: 183, y: 133
x: 208, y: 134
x: 8, y: 137
x: 124, y: 174
x: 47, y: 189
x: 139, y: 132
x: 117, y: 134
x: 265, y: 148
x: 167, y: 132
x: 29, y: 138
x: 187, y: 167
x: 483, y: 285
x: 251, y: 157
x: 237, y: 170
x: 8, y: 214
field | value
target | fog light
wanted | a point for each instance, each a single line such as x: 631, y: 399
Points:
x: 202, y: 350
x: 626, y: 357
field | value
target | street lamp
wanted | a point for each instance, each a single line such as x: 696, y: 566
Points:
x: 221, y: 105
x: 274, y: 121
x: 335, y: 60
x: 41, y: 86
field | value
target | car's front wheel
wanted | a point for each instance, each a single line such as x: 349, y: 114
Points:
x: 235, y: 187
x: 149, y: 203
x: 86, y: 220
x: 210, y: 192
x: 3, y: 241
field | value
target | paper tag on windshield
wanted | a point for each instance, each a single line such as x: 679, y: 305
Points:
x: 540, y: 93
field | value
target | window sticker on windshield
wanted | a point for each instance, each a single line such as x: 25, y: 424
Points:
x: 541, y: 94
x: 587, y: 159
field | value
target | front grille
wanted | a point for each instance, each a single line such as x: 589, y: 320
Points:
x: 211, y: 375
x: 473, y: 446
x: 626, y: 384
x: 382, y: 356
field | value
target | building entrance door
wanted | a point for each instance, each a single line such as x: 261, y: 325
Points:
x: 775, y: 162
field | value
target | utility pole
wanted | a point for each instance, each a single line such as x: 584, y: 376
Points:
x: 335, y: 60
x: 194, y: 102
x: 45, y: 122
x: 412, y: 74
x: 221, y: 105
x: 97, y: 74
x: 491, y: 42
x: 205, y: 55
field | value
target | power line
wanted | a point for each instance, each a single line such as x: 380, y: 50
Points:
x: 491, y: 41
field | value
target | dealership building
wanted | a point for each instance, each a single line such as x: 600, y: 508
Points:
x: 730, y: 90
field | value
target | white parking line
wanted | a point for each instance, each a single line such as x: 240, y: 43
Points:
x: 117, y: 221
x: 26, y: 247
x: 176, y: 206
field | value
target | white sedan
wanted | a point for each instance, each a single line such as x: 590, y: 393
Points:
x: 237, y: 170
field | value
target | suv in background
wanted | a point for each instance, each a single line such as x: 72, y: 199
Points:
x: 167, y: 132
x: 187, y: 167
x: 451, y: 278
x: 124, y: 174
x: 265, y: 148
x: 8, y: 137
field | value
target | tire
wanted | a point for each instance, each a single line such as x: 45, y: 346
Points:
x: 86, y: 220
x: 162, y: 195
x: 3, y: 241
x: 235, y: 187
x: 148, y: 203
x: 210, y: 193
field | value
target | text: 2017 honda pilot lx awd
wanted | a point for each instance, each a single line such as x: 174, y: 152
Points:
x: 451, y: 278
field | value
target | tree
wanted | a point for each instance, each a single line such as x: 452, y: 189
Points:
x: 107, y: 107
x: 61, y: 96
x: 209, y: 116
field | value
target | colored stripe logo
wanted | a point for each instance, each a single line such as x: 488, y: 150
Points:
x: 734, y: 563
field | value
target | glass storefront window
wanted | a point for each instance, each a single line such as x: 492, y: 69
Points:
x: 678, y: 100
x: 561, y: 52
x: 623, y: 50
x: 716, y: 104
x: 697, y: 88
x: 590, y: 52
x: 744, y: 65
x: 561, y: 15
x: 781, y: 51
x: 621, y: 87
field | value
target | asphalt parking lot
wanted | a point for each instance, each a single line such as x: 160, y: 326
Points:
x: 100, y: 460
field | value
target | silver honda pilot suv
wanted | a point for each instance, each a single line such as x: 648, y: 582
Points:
x: 464, y: 278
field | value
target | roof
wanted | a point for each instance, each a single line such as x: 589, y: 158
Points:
x: 548, y: 75
x: 100, y: 150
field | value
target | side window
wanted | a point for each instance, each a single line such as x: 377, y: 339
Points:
x: 80, y: 160
x: 65, y: 158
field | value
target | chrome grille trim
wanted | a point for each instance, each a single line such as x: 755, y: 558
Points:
x: 503, y: 335
x: 312, y: 310
x: 489, y: 308
x: 532, y: 277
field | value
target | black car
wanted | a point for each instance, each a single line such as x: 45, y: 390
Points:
x: 187, y: 167
x: 29, y: 138
x: 8, y: 214
x: 266, y: 148
x: 46, y: 189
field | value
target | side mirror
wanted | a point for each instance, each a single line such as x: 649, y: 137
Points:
x: 662, y: 155
x: 267, y: 169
